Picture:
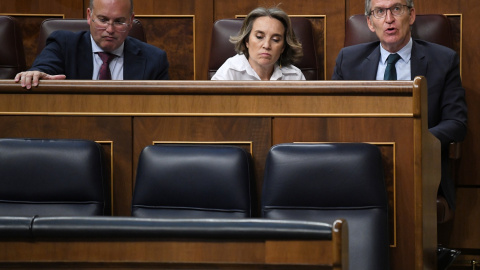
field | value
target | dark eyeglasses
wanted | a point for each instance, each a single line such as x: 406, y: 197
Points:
x: 396, y: 10
x: 102, y: 24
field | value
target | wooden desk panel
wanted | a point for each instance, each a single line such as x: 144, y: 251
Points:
x: 193, y: 254
x: 260, y: 113
x: 208, y: 98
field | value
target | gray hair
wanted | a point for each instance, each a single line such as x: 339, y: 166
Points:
x: 368, y: 7
x: 293, y: 51
x: 131, y: 6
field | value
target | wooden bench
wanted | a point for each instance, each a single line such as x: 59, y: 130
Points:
x: 128, y: 242
x: 126, y: 116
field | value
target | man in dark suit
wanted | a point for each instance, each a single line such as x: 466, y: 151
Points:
x: 447, y: 110
x: 77, y: 56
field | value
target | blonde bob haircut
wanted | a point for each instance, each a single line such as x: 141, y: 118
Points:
x: 292, y: 53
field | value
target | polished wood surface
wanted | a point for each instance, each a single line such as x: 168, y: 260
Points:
x: 308, y: 98
x: 194, y: 254
x: 191, y: 253
x: 254, y: 115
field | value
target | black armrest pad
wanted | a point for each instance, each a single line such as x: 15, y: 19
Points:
x: 123, y: 228
x: 15, y: 227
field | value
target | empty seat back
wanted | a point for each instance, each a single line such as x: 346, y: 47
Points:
x: 193, y: 182
x: 51, y: 178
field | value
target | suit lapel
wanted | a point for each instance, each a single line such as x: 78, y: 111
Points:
x: 369, y: 66
x: 418, y: 65
x: 134, y: 62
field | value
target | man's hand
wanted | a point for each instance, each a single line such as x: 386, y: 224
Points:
x: 31, y: 78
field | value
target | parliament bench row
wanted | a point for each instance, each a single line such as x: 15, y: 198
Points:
x: 106, y: 242
x: 303, y: 182
x: 431, y: 27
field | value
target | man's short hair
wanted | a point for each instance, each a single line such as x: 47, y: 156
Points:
x: 368, y: 7
x: 131, y: 6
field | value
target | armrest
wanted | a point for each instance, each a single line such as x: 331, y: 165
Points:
x: 124, y: 228
x: 15, y: 227
x: 130, y: 242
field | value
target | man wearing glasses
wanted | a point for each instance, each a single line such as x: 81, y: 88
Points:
x: 396, y: 56
x: 104, y: 52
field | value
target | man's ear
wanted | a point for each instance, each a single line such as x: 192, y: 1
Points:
x: 131, y: 21
x: 89, y: 15
x: 370, y: 25
x: 412, y: 16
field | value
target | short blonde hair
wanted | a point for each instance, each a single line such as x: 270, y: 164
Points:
x: 293, y: 51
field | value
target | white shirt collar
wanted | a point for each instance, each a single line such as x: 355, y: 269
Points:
x: 244, y: 65
x: 405, y: 52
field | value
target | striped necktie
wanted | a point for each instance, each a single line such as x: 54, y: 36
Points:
x: 104, y: 73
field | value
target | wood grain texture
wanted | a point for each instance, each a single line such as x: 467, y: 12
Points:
x: 176, y: 254
x: 174, y: 35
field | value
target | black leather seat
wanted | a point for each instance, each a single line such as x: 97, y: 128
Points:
x: 221, y: 49
x: 193, y: 182
x: 324, y: 182
x: 50, y: 25
x: 51, y: 178
x: 12, y: 54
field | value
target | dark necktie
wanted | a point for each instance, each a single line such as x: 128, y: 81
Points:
x: 390, y: 71
x: 104, y: 73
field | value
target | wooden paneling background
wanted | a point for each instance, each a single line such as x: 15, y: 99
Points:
x: 183, y: 29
